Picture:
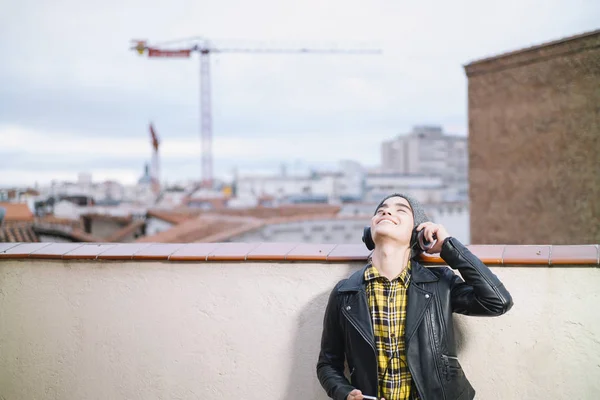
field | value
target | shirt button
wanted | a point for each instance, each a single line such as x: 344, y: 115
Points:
x: 348, y: 308
x: 426, y: 296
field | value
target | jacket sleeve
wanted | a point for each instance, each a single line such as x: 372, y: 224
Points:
x: 481, y: 293
x: 330, y: 367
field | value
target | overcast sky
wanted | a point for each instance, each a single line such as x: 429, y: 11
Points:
x: 74, y: 98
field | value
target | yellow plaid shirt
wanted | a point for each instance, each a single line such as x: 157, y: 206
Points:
x: 387, y: 303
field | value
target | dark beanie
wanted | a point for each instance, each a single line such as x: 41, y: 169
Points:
x: 418, y: 212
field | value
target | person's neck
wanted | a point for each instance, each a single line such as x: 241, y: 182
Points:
x: 390, y: 259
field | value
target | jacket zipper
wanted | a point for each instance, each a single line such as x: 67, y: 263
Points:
x: 441, y: 317
x: 437, y: 370
x: 360, y: 332
x: 414, y: 380
x: 412, y: 374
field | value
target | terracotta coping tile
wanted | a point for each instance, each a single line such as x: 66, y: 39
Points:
x: 55, y: 250
x: 489, y: 254
x: 310, y: 252
x: 22, y: 250
x: 6, y: 246
x: 545, y: 255
x: 87, y: 251
x: 535, y: 255
x: 349, y: 252
x: 271, y: 251
x: 157, y: 251
x: 575, y: 255
x: 193, y: 252
x: 123, y: 251
x: 431, y: 259
x: 231, y: 251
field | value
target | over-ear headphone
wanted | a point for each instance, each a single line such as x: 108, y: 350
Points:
x: 367, y: 238
x: 418, y: 238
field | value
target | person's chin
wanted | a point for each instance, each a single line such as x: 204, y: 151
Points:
x: 386, y: 230
x: 389, y: 233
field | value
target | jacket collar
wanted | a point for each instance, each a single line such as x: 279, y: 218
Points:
x: 356, y: 281
x: 420, y: 274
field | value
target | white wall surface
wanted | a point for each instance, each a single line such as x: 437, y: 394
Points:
x: 139, y: 331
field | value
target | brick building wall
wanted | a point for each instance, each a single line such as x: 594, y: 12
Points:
x: 534, y: 144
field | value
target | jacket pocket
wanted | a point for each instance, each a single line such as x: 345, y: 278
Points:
x: 452, y: 368
x: 456, y: 385
x: 451, y: 361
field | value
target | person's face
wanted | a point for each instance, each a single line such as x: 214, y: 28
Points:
x: 393, y: 220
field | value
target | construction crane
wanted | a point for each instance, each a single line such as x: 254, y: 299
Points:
x: 205, y: 48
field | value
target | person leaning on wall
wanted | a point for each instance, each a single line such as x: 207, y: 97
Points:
x: 392, y: 322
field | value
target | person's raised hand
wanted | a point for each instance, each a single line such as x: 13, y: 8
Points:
x: 432, y: 229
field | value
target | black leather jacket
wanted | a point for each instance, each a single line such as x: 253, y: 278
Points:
x: 433, y: 295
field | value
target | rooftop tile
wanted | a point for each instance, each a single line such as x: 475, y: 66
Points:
x: 17, y: 212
